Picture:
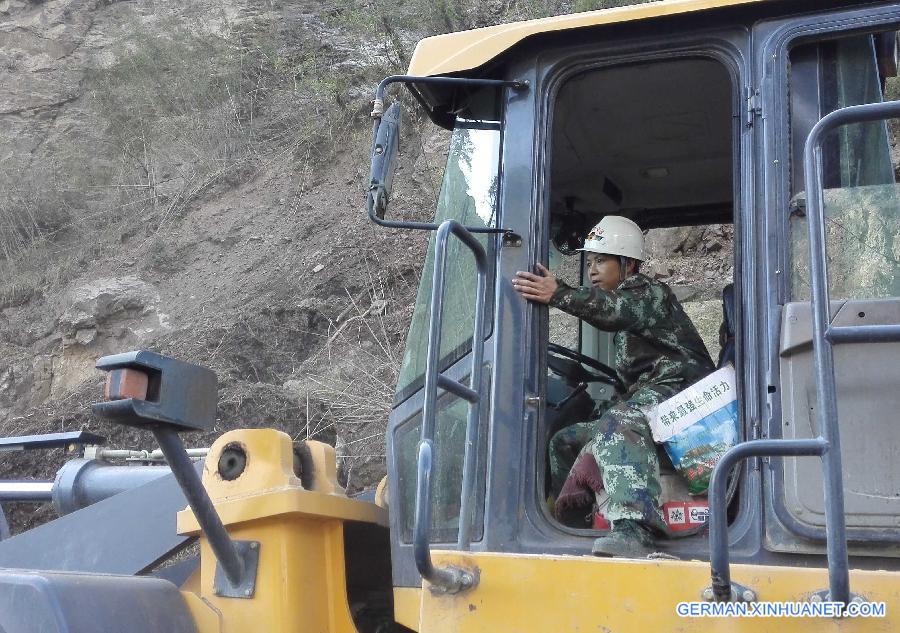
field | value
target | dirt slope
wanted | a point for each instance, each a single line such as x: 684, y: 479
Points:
x: 261, y: 266
x: 190, y: 179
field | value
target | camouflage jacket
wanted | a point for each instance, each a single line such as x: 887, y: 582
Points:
x: 656, y: 342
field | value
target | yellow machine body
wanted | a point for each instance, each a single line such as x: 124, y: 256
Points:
x: 301, y: 578
x: 301, y: 583
x: 544, y: 593
x: 532, y: 593
x: 456, y: 52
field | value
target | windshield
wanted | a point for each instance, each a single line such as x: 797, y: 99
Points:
x: 469, y: 195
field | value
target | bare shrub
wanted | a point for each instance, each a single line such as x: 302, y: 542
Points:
x: 395, y: 27
x: 353, y: 397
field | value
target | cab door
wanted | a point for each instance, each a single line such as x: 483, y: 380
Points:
x: 806, y: 68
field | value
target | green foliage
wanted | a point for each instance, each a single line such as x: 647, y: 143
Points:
x: 156, y: 76
x: 208, y: 104
x: 394, y: 26
x: 892, y: 89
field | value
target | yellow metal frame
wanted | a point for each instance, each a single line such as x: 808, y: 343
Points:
x: 456, y: 52
x: 408, y: 607
x: 301, y: 581
x: 541, y: 594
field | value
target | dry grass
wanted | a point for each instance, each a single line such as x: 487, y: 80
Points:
x: 176, y: 118
x: 353, y: 394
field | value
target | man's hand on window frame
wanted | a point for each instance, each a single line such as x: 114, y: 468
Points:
x: 536, y: 287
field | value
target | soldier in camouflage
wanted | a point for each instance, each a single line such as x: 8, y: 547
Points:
x: 658, y: 353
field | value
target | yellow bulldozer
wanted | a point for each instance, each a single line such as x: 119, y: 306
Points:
x: 769, y: 116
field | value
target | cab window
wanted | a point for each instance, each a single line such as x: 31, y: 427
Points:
x: 668, y: 164
x: 859, y: 167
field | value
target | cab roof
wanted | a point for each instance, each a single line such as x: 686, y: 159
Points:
x: 457, y: 52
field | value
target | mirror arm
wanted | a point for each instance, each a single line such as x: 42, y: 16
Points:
x: 444, y: 120
x: 375, y: 201
x: 418, y: 226
x: 438, y: 118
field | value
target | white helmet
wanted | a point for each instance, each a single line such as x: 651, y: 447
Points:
x: 615, y: 235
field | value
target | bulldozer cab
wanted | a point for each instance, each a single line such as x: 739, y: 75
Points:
x: 770, y: 125
x: 698, y: 118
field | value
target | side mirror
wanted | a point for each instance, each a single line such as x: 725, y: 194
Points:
x: 384, y: 154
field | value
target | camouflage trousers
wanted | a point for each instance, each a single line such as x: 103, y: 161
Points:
x: 621, y: 442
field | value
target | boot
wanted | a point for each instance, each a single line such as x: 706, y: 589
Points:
x: 628, y: 539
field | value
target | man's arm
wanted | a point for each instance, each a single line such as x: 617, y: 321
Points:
x: 632, y: 307
x: 624, y: 309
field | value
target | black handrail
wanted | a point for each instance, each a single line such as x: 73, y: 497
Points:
x: 718, y: 484
x: 824, y: 334
x: 828, y: 446
x: 411, y: 80
x: 450, y: 579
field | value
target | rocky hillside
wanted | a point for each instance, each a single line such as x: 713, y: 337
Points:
x: 188, y: 178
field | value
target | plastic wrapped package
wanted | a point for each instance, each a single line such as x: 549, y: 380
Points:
x: 697, y: 426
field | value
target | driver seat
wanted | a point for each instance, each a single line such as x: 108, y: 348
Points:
x: 726, y: 331
x: 726, y: 355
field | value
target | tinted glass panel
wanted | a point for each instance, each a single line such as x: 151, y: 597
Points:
x: 447, y: 470
x: 862, y: 201
x: 468, y: 194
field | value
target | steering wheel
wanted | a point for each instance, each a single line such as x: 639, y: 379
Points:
x: 574, y: 370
